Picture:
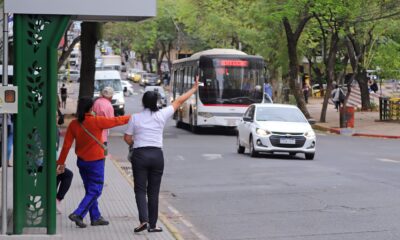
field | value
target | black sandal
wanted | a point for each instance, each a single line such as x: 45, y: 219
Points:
x: 141, y: 227
x: 156, y: 229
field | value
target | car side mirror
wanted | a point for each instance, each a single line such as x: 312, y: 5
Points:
x: 247, y: 119
x: 312, y: 121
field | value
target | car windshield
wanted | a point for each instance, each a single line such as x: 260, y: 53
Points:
x: 277, y: 114
x: 114, y: 83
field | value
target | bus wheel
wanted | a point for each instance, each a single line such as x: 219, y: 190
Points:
x: 193, y: 128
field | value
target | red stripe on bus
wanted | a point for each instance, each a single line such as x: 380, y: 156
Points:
x: 226, y: 105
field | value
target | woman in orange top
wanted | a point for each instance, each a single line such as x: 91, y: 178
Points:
x: 91, y: 156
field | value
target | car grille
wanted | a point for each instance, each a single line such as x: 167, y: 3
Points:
x: 275, y: 141
x: 113, y: 101
x: 286, y: 134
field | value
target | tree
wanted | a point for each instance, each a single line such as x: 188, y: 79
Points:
x: 89, y: 36
x: 67, y: 49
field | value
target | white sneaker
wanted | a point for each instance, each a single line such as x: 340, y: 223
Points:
x: 58, y: 206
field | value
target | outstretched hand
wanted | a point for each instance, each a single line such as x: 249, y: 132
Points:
x: 196, y: 83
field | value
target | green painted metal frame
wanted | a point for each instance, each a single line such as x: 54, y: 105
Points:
x: 36, y: 38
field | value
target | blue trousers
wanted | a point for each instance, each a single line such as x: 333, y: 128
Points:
x: 92, y: 173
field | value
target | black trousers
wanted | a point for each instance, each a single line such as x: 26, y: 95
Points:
x: 148, y: 167
x: 63, y: 183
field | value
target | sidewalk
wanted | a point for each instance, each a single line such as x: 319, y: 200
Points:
x: 366, y: 124
x: 117, y: 204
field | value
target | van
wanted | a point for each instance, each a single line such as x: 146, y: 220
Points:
x: 112, y: 79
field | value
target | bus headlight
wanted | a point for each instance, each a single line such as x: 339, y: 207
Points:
x: 310, y: 134
x: 205, y: 114
x: 262, y: 132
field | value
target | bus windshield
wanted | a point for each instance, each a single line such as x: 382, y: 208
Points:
x: 232, y: 81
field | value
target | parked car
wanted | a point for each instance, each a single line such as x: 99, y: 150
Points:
x: 160, y: 90
x: 276, y: 128
x: 150, y: 79
x: 129, y: 88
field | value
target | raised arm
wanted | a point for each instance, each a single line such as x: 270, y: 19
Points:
x: 180, y: 100
x: 105, y: 123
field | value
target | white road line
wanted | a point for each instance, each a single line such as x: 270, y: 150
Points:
x: 388, y: 160
x: 180, y: 158
x: 212, y: 156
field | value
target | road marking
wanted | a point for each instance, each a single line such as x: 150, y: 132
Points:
x: 388, y: 160
x: 186, y: 222
x: 180, y: 158
x: 212, y: 156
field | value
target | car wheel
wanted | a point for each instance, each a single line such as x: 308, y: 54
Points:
x: 309, y: 156
x: 253, y: 153
x: 240, y: 149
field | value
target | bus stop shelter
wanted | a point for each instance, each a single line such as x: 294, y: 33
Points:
x: 38, y: 28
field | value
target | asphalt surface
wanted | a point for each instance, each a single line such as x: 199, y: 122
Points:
x: 351, y: 190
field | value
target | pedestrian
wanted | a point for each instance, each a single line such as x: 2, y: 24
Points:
x: 86, y: 131
x: 145, y: 135
x: 102, y: 107
x: 64, y: 175
x: 64, y: 95
x: 374, y: 86
x: 306, y: 92
x: 337, y: 97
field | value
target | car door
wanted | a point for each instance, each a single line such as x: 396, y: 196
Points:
x: 242, y: 125
x: 246, y: 126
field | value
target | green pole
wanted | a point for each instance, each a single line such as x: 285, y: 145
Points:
x: 36, y: 39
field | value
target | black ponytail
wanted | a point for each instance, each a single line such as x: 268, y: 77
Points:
x: 84, y: 106
x: 149, y: 100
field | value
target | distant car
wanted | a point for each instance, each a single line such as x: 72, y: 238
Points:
x: 276, y: 128
x: 128, y: 86
x: 137, y: 76
x: 150, y: 79
x: 160, y: 90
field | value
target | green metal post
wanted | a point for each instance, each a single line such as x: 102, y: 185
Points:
x: 36, y: 39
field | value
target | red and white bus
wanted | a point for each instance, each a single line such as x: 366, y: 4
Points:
x: 230, y: 81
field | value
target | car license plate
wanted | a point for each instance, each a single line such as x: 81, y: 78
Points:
x: 231, y: 122
x: 287, y: 141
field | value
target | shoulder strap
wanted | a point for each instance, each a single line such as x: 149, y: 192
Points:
x: 94, y: 138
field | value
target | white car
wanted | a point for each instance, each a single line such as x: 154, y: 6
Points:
x: 160, y: 90
x: 275, y: 128
x: 129, y: 88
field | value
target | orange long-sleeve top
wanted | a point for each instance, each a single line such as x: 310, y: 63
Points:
x: 86, y: 148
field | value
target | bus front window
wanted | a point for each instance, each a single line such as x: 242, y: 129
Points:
x: 231, y: 85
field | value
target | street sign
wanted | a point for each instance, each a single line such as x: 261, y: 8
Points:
x: 8, y: 99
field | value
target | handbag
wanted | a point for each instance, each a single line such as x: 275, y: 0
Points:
x: 95, y: 139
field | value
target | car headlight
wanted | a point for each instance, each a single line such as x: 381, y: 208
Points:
x: 262, y: 132
x: 158, y: 81
x: 310, y: 134
x: 146, y: 80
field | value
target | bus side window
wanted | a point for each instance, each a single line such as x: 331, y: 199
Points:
x: 191, y: 77
x: 182, y: 75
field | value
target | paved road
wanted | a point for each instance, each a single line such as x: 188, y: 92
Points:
x: 350, y: 191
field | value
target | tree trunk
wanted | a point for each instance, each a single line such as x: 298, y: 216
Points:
x: 363, y: 83
x: 292, y: 39
x: 67, y: 51
x: 89, y: 38
x: 149, y: 62
x: 330, y: 73
x: 143, y: 60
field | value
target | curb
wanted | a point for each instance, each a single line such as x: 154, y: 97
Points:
x: 174, y: 232
x: 338, y: 131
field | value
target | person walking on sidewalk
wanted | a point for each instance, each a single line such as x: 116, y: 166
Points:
x: 306, y: 92
x: 102, y: 107
x: 145, y: 134
x: 64, y: 95
x: 337, y: 96
x: 86, y: 131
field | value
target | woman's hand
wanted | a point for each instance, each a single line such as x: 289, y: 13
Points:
x: 196, y: 83
x: 60, y: 169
